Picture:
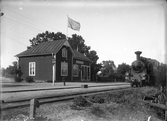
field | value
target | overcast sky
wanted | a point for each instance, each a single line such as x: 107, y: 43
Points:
x: 115, y: 29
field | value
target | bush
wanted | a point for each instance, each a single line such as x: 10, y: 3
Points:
x: 29, y: 79
x: 97, y: 99
x: 81, y: 101
x: 17, y: 79
x: 98, y: 110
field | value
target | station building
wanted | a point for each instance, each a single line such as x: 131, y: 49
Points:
x: 54, y: 60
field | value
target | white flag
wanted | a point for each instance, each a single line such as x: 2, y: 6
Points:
x: 73, y: 24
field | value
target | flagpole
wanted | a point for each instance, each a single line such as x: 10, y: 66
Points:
x: 67, y: 28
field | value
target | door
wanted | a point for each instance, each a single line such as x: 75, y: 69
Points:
x: 85, y: 73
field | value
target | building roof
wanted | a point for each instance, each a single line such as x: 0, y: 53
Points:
x: 78, y: 55
x: 50, y: 47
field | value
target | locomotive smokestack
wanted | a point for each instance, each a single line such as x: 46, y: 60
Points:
x: 138, y: 54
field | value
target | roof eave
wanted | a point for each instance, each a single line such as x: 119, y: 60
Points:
x: 33, y: 54
x: 83, y: 59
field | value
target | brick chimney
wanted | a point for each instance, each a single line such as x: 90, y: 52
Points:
x: 138, y: 55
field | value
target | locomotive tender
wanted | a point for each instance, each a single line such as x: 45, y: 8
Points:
x: 143, y: 71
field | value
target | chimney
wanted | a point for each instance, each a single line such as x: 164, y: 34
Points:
x: 138, y: 55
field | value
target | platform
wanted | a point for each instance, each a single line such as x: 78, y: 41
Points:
x: 9, y: 86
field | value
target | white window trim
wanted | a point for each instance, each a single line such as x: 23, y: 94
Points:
x: 32, y: 65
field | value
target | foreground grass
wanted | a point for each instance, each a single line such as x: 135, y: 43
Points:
x: 116, y: 106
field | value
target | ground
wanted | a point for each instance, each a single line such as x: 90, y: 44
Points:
x: 117, y: 106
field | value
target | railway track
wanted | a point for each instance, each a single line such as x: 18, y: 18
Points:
x: 57, y: 98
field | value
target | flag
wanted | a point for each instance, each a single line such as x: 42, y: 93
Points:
x: 73, y: 24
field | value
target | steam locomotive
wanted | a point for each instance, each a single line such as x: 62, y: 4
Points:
x: 143, y: 71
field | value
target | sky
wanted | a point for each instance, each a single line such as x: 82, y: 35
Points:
x: 115, y: 29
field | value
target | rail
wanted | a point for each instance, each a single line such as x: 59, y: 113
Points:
x: 50, y: 99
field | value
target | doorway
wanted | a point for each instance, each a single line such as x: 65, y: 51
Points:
x: 85, y: 73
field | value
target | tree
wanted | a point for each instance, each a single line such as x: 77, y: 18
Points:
x: 2, y: 72
x: 13, y: 70
x: 92, y: 55
x: 123, y: 68
x: 94, y: 66
x: 108, y: 67
x: 78, y: 43
x: 46, y: 36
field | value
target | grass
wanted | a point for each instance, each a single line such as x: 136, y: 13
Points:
x: 117, y: 106
x: 125, y: 105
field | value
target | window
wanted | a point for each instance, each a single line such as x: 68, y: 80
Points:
x: 64, y: 52
x: 64, y: 69
x: 31, y: 68
x: 75, y: 70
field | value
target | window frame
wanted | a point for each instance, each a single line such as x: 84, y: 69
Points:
x: 64, y: 68
x: 75, y: 71
x: 32, y: 65
x: 64, y: 52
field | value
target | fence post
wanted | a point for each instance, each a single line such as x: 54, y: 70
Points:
x: 33, y: 105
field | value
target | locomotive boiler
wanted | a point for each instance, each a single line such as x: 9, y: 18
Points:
x: 143, y: 71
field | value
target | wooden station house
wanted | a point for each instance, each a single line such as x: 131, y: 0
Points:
x: 53, y: 60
